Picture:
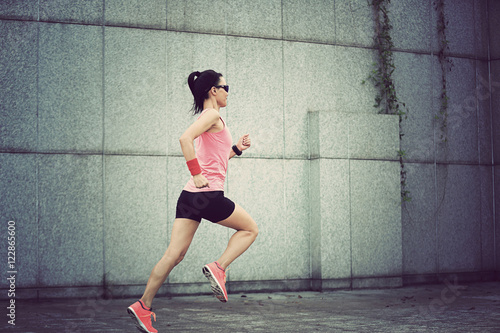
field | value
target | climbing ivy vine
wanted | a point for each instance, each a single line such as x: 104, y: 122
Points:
x: 386, y: 100
x: 446, y: 65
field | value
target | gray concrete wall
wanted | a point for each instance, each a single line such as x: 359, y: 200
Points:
x: 94, y: 98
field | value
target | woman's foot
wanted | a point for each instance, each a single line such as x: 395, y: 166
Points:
x: 142, y: 316
x: 217, y: 277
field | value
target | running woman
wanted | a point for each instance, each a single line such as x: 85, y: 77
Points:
x: 203, y: 195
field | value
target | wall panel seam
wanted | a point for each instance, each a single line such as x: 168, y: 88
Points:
x: 37, y: 167
x: 103, y: 158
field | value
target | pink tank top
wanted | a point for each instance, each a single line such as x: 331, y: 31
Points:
x: 212, y: 152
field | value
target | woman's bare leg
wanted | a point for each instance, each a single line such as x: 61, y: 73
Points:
x: 182, y: 235
x: 246, y: 232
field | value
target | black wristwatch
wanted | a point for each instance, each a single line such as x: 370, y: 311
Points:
x: 236, y: 150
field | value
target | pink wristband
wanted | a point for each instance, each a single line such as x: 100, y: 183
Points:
x: 194, y: 166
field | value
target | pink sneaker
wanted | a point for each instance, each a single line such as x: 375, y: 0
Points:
x: 142, y: 316
x: 217, y: 277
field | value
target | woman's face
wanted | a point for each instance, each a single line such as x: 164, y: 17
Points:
x: 221, y: 95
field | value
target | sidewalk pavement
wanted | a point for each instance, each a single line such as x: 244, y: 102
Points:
x: 446, y: 307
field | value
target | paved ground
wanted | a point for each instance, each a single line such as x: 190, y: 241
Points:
x: 445, y: 307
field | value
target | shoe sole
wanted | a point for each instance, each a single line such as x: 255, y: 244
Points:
x: 140, y: 326
x: 216, y: 287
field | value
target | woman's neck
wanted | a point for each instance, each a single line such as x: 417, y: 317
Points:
x: 210, y: 104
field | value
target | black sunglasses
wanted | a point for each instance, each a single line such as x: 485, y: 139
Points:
x: 226, y: 87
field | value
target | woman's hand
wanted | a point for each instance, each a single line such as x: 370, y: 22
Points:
x: 244, y: 142
x: 200, y: 181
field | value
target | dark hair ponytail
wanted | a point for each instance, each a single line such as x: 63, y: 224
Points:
x: 200, y: 84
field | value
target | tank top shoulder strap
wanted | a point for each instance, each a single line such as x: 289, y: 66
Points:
x: 223, y: 122
x: 202, y: 112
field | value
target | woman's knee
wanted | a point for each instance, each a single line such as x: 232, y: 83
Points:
x: 179, y: 259
x: 254, y: 230
x: 174, y: 256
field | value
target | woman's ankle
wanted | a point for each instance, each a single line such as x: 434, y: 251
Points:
x: 147, y: 304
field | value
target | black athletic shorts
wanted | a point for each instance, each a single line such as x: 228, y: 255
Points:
x: 211, y: 205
